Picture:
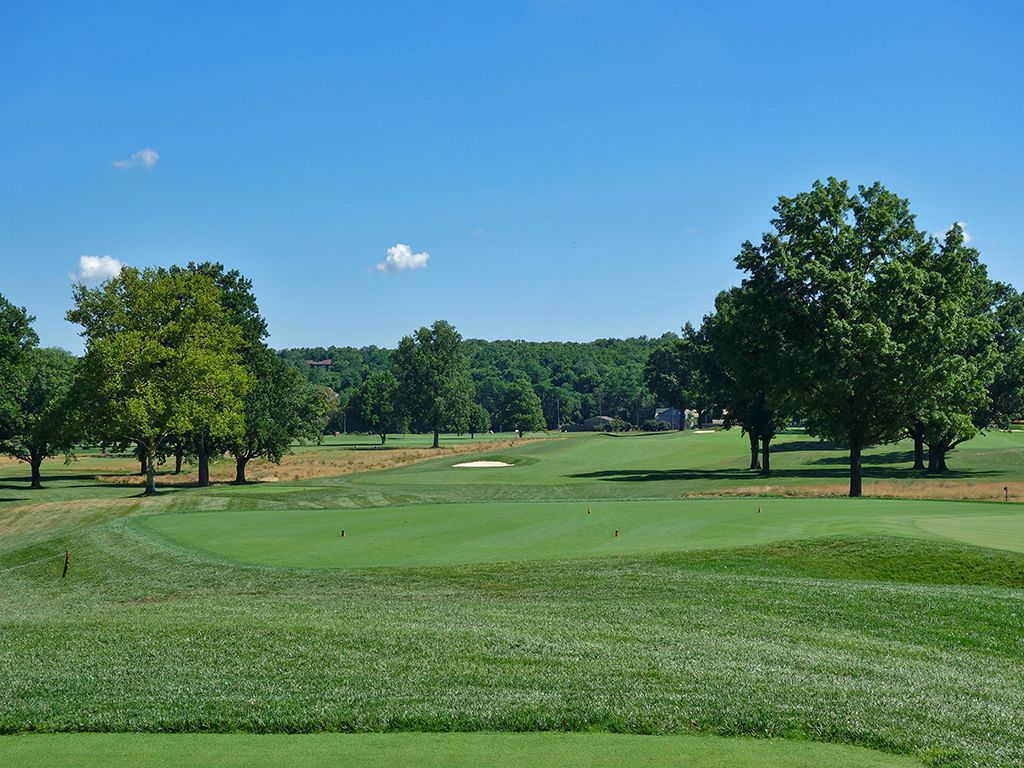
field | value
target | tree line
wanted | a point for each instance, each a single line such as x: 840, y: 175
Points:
x: 847, y: 318
x: 573, y: 380
x: 175, y: 364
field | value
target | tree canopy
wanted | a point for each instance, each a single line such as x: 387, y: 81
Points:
x: 163, y: 358
x: 844, y: 275
x: 521, y: 408
x: 375, y: 401
x: 434, y: 385
x: 43, y: 427
x: 16, y: 339
x: 280, y: 408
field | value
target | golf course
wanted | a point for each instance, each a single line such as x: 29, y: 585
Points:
x: 587, y: 599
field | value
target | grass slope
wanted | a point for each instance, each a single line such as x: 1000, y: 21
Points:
x: 501, y: 750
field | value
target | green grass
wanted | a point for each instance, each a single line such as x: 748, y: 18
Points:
x: 429, y: 750
x: 444, y: 534
x: 502, y: 606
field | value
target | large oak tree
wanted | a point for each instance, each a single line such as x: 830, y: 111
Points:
x: 842, y: 276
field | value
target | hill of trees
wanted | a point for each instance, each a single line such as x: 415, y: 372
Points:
x: 573, y: 380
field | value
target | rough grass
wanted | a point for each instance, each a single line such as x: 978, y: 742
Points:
x: 844, y: 641
x: 922, y: 488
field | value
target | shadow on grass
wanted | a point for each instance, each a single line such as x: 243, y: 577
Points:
x: 805, y: 445
x: 724, y: 475
x: 892, y: 457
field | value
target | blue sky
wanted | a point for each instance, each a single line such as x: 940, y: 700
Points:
x: 573, y: 169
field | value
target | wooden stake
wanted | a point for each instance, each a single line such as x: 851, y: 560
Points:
x: 616, y: 533
x: 343, y: 533
x: 67, y: 561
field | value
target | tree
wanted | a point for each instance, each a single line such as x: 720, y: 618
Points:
x: 435, y: 390
x: 239, y: 304
x: 742, y: 370
x: 954, y: 402
x: 374, y: 402
x: 841, y: 276
x: 43, y: 424
x: 280, y: 408
x: 521, y: 409
x: 163, y: 358
x: 479, y: 420
x: 1006, y: 393
x: 16, y: 339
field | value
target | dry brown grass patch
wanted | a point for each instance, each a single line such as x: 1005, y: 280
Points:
x: 327, y: 461
x: 925, y: 490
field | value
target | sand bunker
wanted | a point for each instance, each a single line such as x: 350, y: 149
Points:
x: 483, y: 464
x: 703, y: 431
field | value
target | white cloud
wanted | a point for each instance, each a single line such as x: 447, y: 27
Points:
x: 400, y: 257
x: 97, y: 268
x: 963, y: 226
x: 147, y: 158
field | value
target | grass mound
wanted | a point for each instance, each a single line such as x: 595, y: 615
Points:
x: 874, y: 558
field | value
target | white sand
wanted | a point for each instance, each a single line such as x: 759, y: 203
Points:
x: 703, y: 431
x: 482, y: 464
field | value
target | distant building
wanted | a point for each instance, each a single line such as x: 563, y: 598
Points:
x: 668, y: 416
x: 325, y: 364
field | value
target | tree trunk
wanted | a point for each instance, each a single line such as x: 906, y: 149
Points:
x: 682, y: 419
x: 35, y: 461
x: 937, y: 456
x: 755, y: 459
x: 203, y: 457
x: 918, y: 451
x: 383, y: 437
x: 766, y: 456
x: 150, y: 470
x: 856, y: 472
x: 179, y: 455
x: 143, y: 464
x: 472, y: 435
x: 436, y: 436
x: 240, y: 462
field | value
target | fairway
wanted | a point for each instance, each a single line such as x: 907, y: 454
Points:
x: 448, y: 534
x: 431, y: 750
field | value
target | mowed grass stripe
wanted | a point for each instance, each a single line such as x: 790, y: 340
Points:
x: 430, y: 750
x: 446, y: 534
